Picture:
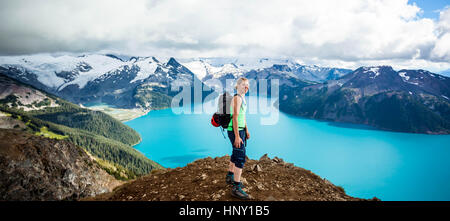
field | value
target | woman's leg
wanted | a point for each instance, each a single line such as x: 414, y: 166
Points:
x: 237, y: 174
x: 237, y: 170
x: 231, y: 167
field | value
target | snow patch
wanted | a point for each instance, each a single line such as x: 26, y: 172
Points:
x: 202, y: 68
x: 45, y: 66
x: 403, y: 75
x: 155, y: 84
x: 147, y: 67
x: 100, y: 65
x: 374, y: 70
x: 199, y: 68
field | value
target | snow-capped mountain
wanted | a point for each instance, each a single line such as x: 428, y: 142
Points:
x: 405, y: 100
x: 287, y: 71
x: 318, y: 74
x: 301, y: 72
x: 205, y: 70
x: 373, y: 80
x: 114, y: 78
x: 61, y: 71
x: 227, y: 68
x: 243, y: 64
x: 95, y: 77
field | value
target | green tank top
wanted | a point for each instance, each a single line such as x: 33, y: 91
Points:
x: 241, y: 116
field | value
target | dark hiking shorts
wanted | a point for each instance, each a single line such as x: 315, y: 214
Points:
x: 238, y: 155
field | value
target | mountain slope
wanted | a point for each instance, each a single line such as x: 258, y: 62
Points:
x: 37, y: 168
x: 204, y: 180
x: 406, y: 101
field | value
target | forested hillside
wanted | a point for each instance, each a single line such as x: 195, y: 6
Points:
x: 101, y: 135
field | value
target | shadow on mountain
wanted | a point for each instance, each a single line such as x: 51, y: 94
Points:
x: 182, y: 159
x: 351, y: 126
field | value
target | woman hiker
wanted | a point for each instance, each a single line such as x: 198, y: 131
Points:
x: 238, y: 134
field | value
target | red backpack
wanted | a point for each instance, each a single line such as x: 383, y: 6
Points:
x: 222, y: 117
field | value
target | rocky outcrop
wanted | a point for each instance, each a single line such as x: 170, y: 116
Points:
x: 38, y: 168
x: 204, y: 180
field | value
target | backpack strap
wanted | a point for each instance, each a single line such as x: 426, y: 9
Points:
x: 224, y: 103
x: 222, y: 130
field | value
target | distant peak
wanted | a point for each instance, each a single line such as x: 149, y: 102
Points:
x: 281, y: 67
x: 231, y: 65
x: 381, y: 68
x: 113, y: 56
x: 134, y: 58
x: 173, y: 62
x: 263, y: 59
x: 386, y: 67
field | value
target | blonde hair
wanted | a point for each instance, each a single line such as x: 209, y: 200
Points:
x: 239, y: 81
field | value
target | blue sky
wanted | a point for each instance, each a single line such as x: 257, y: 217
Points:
x: 431, y: 8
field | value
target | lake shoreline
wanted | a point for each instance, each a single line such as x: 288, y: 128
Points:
x: 121, y: 114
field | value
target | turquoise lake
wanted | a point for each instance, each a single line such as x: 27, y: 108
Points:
x: 364, y: 161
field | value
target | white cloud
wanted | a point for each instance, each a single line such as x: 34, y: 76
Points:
x: 441, y: 49
x: 343, y: 32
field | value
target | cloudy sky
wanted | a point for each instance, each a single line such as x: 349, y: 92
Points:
x: 345, y: 33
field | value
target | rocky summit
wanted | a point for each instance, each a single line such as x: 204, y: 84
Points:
x: 204, y: 180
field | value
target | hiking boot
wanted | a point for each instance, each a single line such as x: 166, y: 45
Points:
x: 236, y: 191
x: 230, y: 179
